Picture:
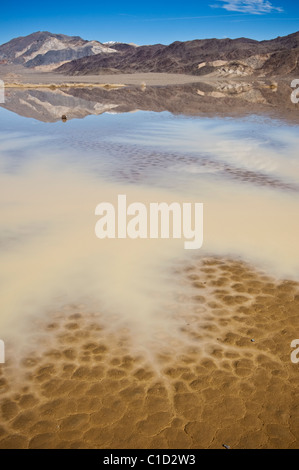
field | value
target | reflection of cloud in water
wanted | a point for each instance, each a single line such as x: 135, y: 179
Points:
x: 244, y: 144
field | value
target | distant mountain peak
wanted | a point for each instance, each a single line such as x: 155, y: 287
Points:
x: 43, y: 48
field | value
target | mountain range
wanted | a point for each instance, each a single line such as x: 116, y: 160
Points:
x: 72, y: 55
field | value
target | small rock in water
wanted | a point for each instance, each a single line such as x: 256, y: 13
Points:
x: 226, y: 446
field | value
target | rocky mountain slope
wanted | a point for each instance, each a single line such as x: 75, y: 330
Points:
x: 44, y: 49
x: 199, y: 57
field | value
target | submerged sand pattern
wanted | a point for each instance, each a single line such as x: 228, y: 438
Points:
x: 93, y: 387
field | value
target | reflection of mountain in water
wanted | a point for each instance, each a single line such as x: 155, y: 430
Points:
x: 225, y: 98
x: 50, y: 105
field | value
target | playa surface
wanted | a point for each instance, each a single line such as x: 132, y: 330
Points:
x: 14, y: 73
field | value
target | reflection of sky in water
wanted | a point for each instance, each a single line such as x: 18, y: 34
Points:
x: 52, y: 176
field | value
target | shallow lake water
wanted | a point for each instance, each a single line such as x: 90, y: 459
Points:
x: 140, y: 343
x: 52, y: 176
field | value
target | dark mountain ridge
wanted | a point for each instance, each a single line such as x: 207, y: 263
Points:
x: 189, y: 57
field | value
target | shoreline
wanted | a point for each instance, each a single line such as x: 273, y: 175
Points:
x: 53, y: 86
x: 11, y: 74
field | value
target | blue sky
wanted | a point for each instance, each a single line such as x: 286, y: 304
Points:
x: 151, y: 22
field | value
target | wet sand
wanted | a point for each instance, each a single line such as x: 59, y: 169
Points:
x: 89, y: 387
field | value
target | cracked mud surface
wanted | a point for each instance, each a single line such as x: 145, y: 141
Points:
x: 88, y: 387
